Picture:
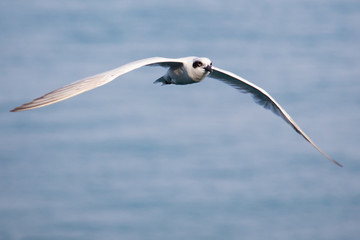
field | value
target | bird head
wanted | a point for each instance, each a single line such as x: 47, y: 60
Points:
x: 202, y: 64
x: 200, y: 68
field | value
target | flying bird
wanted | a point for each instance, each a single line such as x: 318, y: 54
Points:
x: 181, y: 71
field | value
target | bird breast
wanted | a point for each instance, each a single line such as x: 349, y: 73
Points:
x: 179, y: 76
x: 182, y: 75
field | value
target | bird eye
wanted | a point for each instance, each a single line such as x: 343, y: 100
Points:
x: 197, y: 64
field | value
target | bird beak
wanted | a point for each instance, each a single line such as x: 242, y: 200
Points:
x: 208, y: 68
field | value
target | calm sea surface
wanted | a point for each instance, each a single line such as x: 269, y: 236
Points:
x: 134, y: 160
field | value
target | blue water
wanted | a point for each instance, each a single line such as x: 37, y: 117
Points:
x: 133, y: 160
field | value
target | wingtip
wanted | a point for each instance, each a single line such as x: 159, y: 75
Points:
x: 332, y: 160
x: 17, y: 109
x: 329, y: 158
x: 336, y: 163
x: 24, y: 107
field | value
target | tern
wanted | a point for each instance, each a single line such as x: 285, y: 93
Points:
x: 181, y: 71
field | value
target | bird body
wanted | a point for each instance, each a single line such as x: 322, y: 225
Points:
x: 181, y: 71
x: 186, y: 73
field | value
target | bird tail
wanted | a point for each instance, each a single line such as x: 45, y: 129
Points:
x: 163, y: 80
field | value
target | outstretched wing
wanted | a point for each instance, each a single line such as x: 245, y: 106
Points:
x: 263, y: 98
x: 95, y: 81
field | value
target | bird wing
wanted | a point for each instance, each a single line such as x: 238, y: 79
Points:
x: 95, y: 81
x: 264, y: 99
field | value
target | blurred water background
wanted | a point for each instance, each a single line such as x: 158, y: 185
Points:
x: 134, y: 160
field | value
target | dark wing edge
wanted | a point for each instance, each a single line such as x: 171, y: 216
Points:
x: 92, y: 82
x: 264, y: 99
